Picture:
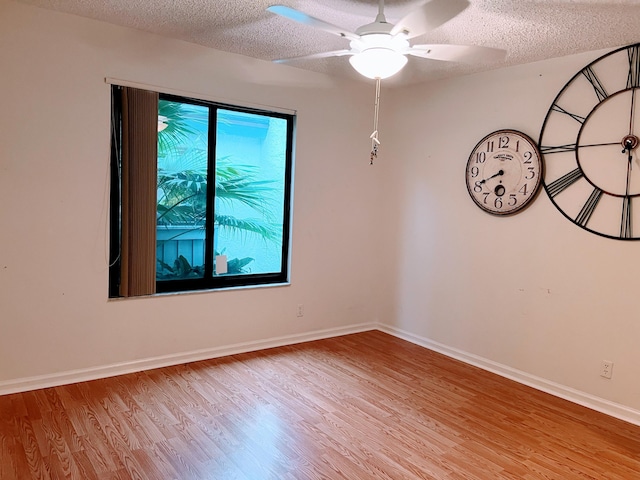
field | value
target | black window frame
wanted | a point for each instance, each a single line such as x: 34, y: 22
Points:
x: 208, y: 281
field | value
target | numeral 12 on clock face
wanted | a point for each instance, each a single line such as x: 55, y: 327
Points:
x: 504, y: 172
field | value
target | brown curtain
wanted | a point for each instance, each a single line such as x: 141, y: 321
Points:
x: 139, y: 184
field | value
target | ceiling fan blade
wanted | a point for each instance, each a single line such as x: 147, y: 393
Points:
x: 300, y: 17
x: 458, y: 53
x: 335, y: 53
x: 429, y: 16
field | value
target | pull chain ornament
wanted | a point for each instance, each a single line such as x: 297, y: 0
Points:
x: 374, y: 153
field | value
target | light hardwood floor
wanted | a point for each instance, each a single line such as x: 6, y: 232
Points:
x: 363, y: 406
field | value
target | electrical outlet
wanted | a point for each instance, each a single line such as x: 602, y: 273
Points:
x: 300, y: 312
x: 606, y: 369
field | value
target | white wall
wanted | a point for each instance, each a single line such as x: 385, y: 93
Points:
x: 54, y: 160
x: 530, y: 292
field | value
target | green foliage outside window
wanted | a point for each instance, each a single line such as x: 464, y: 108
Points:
x: 182, y: 188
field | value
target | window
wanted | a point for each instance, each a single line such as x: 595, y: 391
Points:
x: 200, y: 194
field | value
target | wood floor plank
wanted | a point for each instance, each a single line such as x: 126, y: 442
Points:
x: 10, y: 464
x: 363, y: 406
x: 180, y: 460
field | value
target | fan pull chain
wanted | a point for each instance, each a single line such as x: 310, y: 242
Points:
x: 374, y: 136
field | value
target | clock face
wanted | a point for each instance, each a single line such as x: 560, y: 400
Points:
x: 589, y: 140
x: 504, y: 172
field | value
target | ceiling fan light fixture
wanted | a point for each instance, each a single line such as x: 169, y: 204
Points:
x: 378, y: 62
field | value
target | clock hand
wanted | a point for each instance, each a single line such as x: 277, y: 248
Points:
x: 628, y: 175
x: 628, y: 146
x: 633, y: 106
x: 598, y: 144
x: 500, y: 172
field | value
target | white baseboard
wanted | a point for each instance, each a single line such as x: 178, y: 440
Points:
x: 86, y: 374
x: 73, y: 376
x: 576, y: 396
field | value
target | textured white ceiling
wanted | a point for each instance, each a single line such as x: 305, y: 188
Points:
x: 529, y: 30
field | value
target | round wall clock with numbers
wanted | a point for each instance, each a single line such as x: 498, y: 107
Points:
x: 504, y: 172
x: 589, y: 140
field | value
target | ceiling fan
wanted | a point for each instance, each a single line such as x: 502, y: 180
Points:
x: 379, y: 49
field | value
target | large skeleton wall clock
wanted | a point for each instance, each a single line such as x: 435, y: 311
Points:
x: 590, y: 145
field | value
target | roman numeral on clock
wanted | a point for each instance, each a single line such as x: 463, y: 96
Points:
x: 589, y: 207
x: 569, y: 147
x: 565, y: 181
x: 590, y: 75
x: 633, y: 79
x: 625, y: 223
x: 557, y: 108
